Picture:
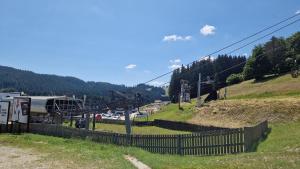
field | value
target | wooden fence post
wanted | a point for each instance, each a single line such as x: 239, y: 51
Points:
x: 179, y: 148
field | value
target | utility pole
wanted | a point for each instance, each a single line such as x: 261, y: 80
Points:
x: 199, y: 91
x: 87, y: 115
x: 179, y: 107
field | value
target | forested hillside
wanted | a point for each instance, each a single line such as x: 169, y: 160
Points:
x: 276, y: 56
x: 207, y: 67
x: 42, y: 84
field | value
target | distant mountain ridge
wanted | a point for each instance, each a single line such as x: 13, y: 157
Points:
x: 12, y: 79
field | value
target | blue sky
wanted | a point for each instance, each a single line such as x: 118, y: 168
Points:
x: 127, y: 41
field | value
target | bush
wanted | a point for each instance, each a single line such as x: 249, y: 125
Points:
x: 234, y: 79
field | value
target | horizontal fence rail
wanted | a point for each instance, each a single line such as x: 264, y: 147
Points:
x: 206, y: 142
x: 172, y: 125
x: 182, y: 126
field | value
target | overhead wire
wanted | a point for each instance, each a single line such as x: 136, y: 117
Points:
x: 239, y: 41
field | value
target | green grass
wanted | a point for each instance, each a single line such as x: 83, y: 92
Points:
x: 281, y: 149
x: 70, y: 153
x: 172, y: 112
x: 135, y: 129
x: 267, y: 95
x: 118, y: 128
x: 279, y: 86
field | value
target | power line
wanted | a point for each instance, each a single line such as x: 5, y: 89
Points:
x: 264, y: 36
x: 243, y: 39
x: 220, y: 72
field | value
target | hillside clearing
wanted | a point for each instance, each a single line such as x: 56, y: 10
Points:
x: 277, y: 86
x: 247, y: 112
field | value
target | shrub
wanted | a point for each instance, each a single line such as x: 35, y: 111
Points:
x: 234, y: 79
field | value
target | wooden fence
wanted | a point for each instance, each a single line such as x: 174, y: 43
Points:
x: 182, y: 126
x: 172, y: 125
x: 213, y: 142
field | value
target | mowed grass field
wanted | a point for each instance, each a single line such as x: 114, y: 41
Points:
x: 147, y: 130
x: 281, y: 149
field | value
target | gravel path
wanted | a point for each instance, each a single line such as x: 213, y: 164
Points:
x: 17, y: 158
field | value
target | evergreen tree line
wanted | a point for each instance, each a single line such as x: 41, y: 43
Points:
x: 208, y: 68
x: 276, y: 56
x: 12, y: 80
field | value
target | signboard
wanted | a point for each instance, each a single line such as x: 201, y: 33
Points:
x: 21, y: 109
x: 4, y: 112
x: 3, y: 96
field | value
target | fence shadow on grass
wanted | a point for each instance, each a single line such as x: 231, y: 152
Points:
x: 262, y: 139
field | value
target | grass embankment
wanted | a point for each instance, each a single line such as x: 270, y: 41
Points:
x: 271, y: 87
x: 276, y: 99
x: 247, y: 112
x: 280, y: 150
x: 172, y: 112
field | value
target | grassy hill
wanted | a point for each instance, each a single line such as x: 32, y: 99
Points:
x: 276, y: 99
x: 278, y: 86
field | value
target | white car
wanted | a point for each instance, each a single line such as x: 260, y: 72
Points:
x: 142, y: 114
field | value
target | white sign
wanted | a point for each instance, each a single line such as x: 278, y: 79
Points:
x: 4, y: 109
x: 3, y: 96
x: 21, y: 108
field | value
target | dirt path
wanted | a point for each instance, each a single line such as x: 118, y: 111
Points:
x: 138, y: 164
x: 18, y: 158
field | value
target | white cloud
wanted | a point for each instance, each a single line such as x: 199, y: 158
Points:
x: 208, y: 30
x: 175, y: 61
x: 175, y: 64
x: 174, y: 38
x: 173, y: 67
x: 130, y: 66
x: 207, y: 58
x: 156, y: 83
x: 297, y: 12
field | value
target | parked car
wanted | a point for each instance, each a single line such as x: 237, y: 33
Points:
x: 98, y: 117
x: 80, y: 123
x: 119, y: 113
x: 142, y: 115
x: 117, y: 117
x: 106, y: 116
